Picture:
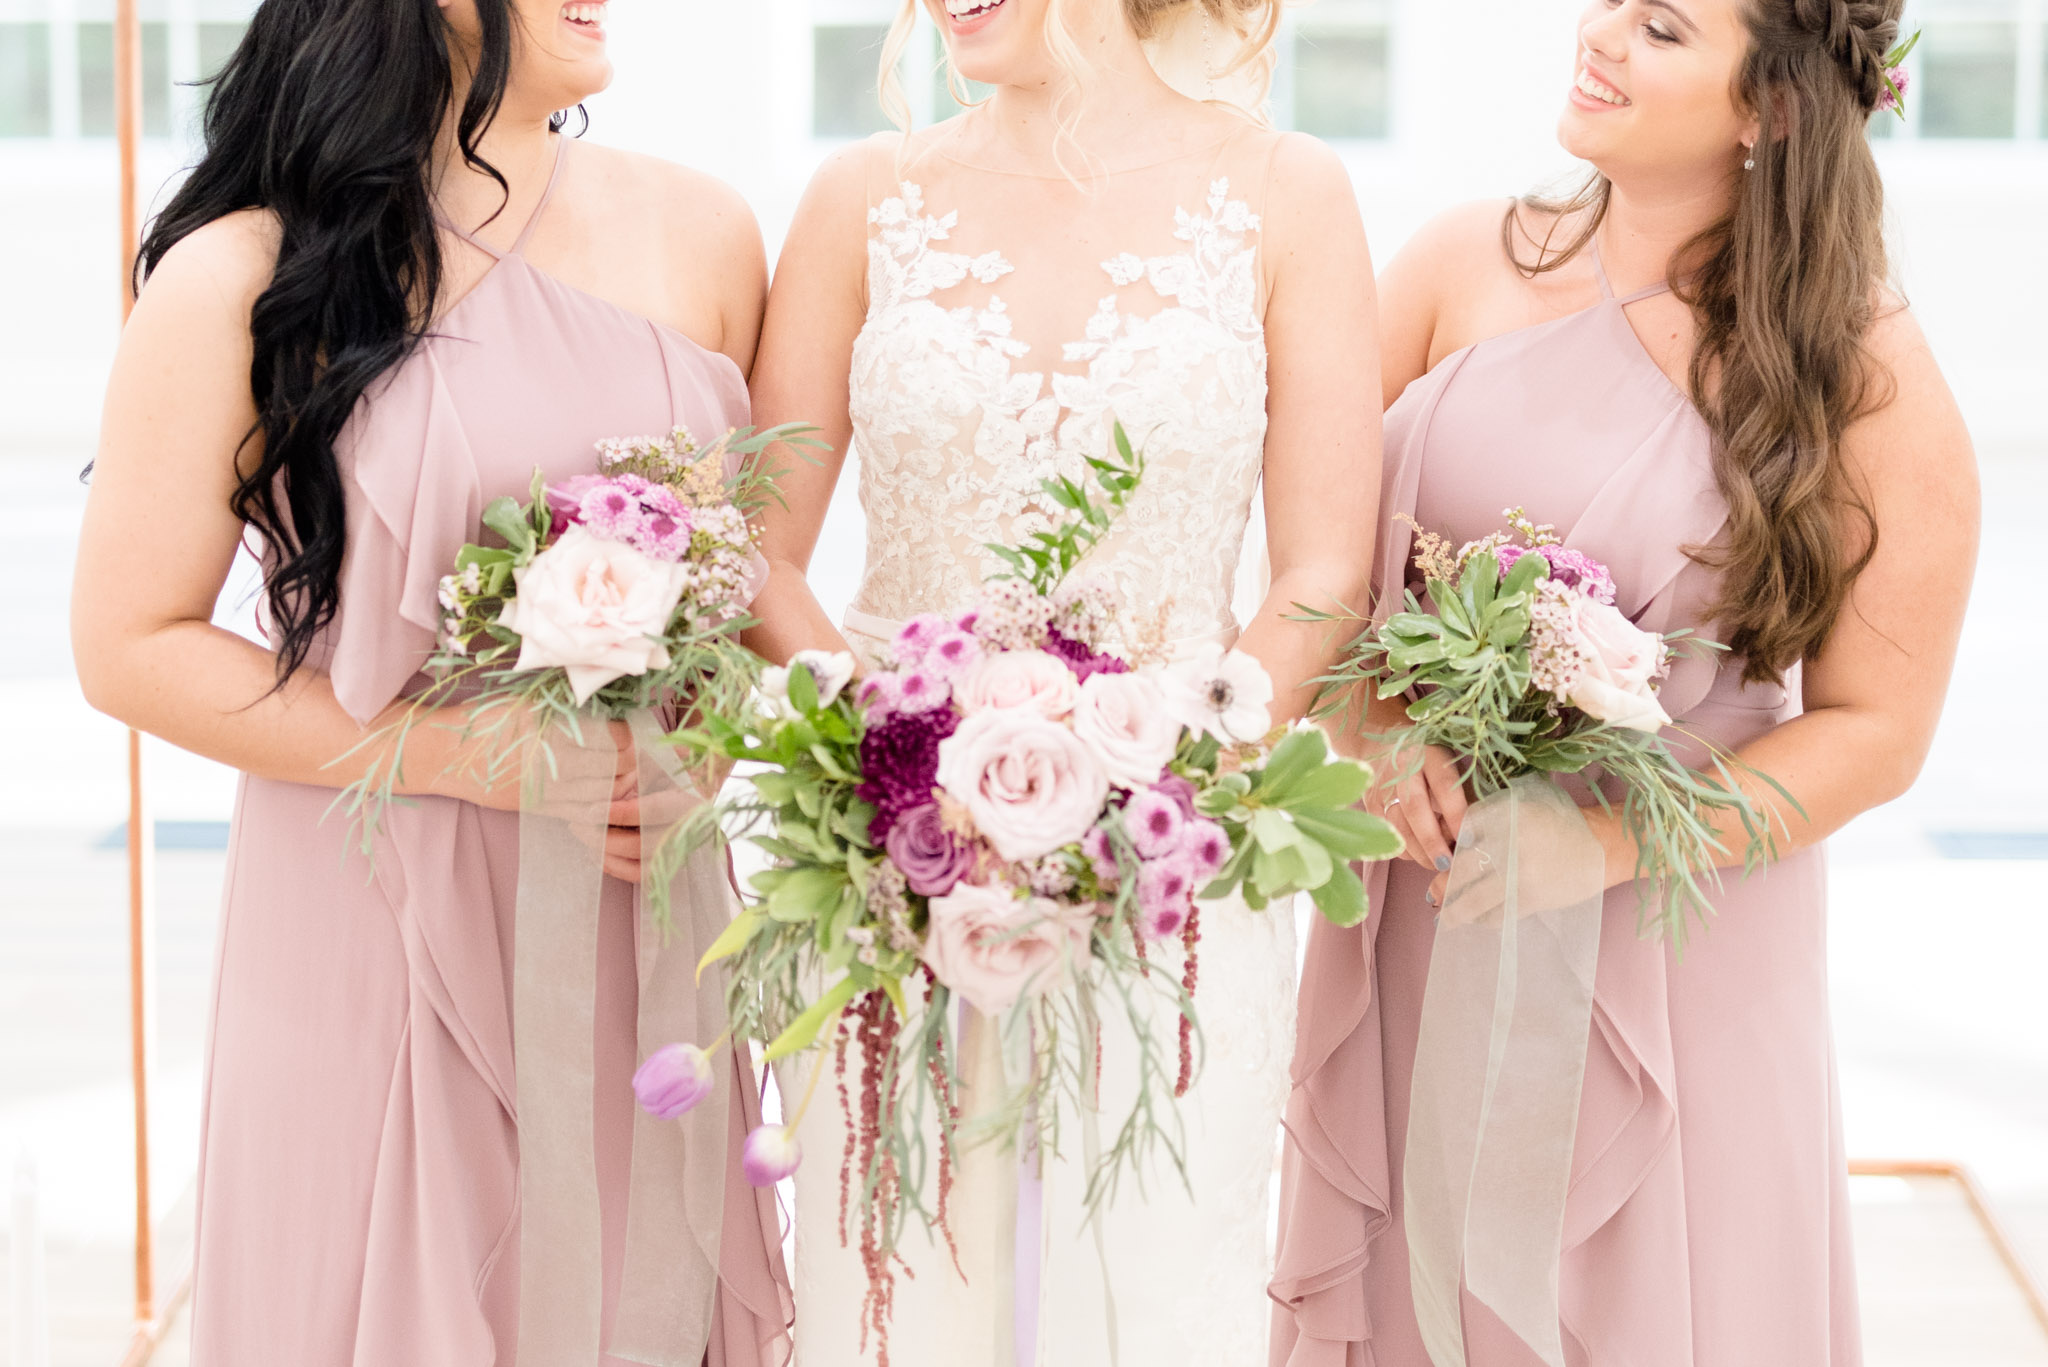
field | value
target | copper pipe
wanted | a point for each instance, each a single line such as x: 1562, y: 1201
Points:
x: 141, y: 844
x: 1980, y: 1203
x: 149, y: 1335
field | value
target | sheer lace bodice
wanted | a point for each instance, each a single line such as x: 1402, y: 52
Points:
x: 1000, y: 349
x: 1011, y: 322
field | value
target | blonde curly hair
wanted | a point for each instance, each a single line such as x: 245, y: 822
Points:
x: 1163, y: 25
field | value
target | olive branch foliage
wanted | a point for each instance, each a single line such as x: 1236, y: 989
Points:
x: 1462, y: 658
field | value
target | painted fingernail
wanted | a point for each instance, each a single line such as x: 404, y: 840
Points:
x: 1443, y: 863
x: 1429, y: 897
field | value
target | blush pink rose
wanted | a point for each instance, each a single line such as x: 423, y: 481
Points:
x: 598, y: 609
x: 1018, y: 678
x: 994, y: 948
x: 1617, y: 686
x: 1124, y: 722
x: 1029, y: 784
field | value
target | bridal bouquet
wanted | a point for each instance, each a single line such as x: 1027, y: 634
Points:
x: 1012, y: 815
x: 601, y: 596
x: 1521, y: 665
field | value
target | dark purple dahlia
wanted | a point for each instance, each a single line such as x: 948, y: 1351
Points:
x: 1079, y: 657
x: 900, y: 759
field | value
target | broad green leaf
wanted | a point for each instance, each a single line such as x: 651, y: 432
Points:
x: 803, y: 689
x: 893, y: 988
x: 735, y: 937
x: 806, y: 894
x: 504, y: 517
x: 1298, y: 752
x: 1337, y: 784
x: 1528, y: 571
x: 1274, y: 830
x: 803, y: 1032
x: 1342, y: 899
x: 1350, y: 833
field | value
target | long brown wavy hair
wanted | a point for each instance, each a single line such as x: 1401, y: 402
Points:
x: 1783, y: 291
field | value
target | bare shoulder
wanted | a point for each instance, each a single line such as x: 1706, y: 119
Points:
x: 684, y: 199
x: 1308, y: 178
x: 226, y: 263
x: 1913, y: 430
x: 1463, y: 242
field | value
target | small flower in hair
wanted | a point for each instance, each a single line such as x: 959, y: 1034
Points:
x: 1896, y: 78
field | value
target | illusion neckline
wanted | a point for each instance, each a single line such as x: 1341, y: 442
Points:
x: 937, y: 148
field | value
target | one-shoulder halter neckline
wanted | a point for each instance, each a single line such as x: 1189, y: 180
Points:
x: 518, y: 247
x: 1607, y: 289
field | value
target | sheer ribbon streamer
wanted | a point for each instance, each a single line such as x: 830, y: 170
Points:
x: 1499, y: 1065
x: 676, y: 1206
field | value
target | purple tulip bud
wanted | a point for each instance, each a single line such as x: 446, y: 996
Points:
x: 672, y: 1081
x: 771, y: 1154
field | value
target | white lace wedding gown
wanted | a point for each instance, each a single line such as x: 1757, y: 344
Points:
x: 1000, y: 346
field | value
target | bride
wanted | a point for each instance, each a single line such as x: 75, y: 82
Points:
x: 1113, y: 235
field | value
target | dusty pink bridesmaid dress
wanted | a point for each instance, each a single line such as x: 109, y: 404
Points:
x: 359, y: 1166
x: 1707, y: 1222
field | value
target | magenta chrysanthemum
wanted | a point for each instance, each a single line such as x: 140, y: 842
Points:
x: 899, y: 760
x: 1084, y: 660
x: 1573, y: 569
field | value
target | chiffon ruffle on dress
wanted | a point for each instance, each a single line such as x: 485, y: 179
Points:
x: 1707, y: 1221
x: 360, y: 1153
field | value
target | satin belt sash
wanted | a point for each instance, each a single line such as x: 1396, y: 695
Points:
x: 1500, y: 1062
x: 676, y: 1206
x: 882, y: 631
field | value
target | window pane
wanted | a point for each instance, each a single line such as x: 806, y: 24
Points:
x: 844, y: 102
x: 1971, y: 80
x: 1340, y: 82
x: 96, y: 80
x: 24, y: 80
x: 217, y: 43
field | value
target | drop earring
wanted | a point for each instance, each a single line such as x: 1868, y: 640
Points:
x: 1749, y: 161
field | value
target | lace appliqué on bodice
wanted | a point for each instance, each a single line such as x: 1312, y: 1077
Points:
x: 954, y: 438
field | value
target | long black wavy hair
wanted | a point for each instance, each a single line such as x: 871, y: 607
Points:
x: 327, y: 116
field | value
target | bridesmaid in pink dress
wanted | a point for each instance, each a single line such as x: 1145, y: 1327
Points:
x: 1776, y: 405
x: 322, y: 355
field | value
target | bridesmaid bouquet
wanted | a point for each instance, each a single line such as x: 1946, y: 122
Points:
x: 601, y: 596
x: 1521, y: 666
x: 1011, y: 815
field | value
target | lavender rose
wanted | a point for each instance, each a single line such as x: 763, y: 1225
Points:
x: 919, y: 844
x: 1028, y: 782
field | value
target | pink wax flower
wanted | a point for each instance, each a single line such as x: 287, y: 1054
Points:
x: 1162, y: 923
x: 610, y: 510
x: 916, y: 636
x: 920, y: 690
x: 1095, y: 845
x: 1206, y: 846
x: 952, y: 654
x: 878, y: 696
x: 1154, y: 822
x: 1166, y: 893
x: 771, y: 1153
x: 672, y: 1081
